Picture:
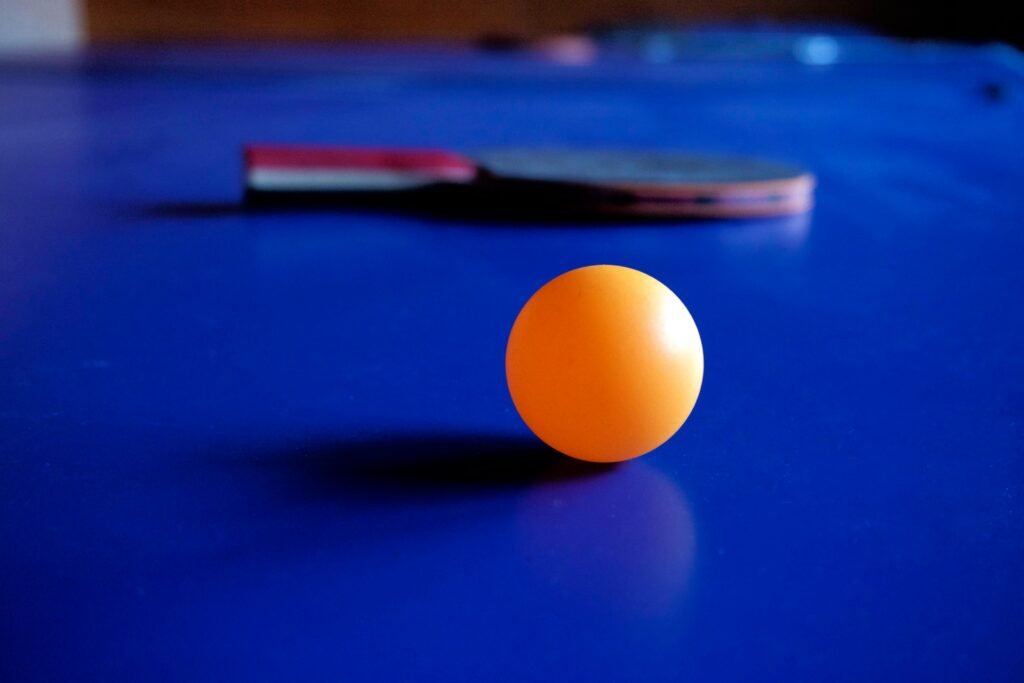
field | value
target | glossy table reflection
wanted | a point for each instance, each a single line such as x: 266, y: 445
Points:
x: 277, y: 445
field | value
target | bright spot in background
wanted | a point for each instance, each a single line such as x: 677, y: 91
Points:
x: 40, y: 25
x: 816, y: 50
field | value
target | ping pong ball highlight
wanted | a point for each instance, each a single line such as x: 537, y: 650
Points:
x: 604, y: 363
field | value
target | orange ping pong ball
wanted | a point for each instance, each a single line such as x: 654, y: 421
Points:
x: 604, y: 363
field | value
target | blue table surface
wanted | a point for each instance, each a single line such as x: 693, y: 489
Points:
x: 278, y: 445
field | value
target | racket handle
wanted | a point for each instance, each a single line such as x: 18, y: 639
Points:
x: 307, y: 168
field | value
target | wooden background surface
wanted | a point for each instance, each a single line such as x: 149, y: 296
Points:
x: 147, y: 20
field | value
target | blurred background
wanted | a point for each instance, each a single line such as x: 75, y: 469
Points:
x: 48, y: 24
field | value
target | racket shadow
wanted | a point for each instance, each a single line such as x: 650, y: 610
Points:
x: 431, y: 210
x: 456, y: 205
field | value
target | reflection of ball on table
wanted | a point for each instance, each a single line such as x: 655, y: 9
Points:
x: 604, y: 363
x: 618, y: 542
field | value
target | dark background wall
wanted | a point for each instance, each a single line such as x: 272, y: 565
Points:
x: 135, y: 20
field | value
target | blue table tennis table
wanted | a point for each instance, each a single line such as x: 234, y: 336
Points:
x: 277, y: 444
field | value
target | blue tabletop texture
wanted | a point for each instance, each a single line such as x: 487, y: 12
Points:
x: 277, y: 445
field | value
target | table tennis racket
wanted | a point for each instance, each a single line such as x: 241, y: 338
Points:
x: 634, y: 182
